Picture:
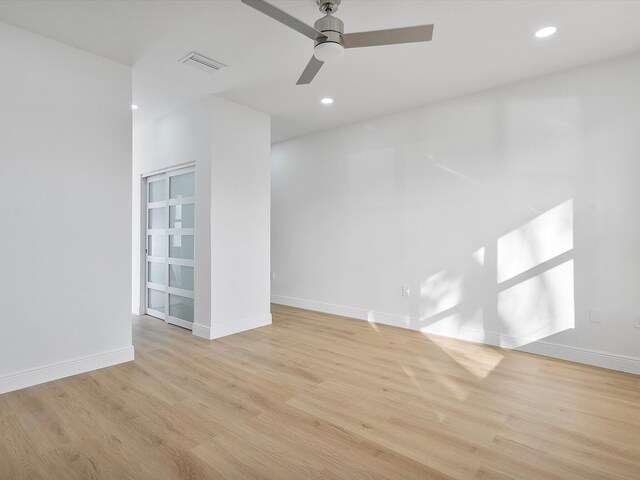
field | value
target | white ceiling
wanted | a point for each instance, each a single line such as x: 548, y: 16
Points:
x: 477, y: 45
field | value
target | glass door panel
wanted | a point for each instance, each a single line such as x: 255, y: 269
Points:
x: 156, y: 273
x: 155, y: 300
x: 181, y: 246
x: 181, y: 216
x: 157, y: 245
x: 157, y: 218
x: 181, y: 276
x: 181, y: 307
x: 157, y: 191
x: 183, y: 185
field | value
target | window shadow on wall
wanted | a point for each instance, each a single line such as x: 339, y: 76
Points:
x: 514, y: 291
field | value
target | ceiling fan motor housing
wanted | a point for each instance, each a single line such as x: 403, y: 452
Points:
x: 332, y: 28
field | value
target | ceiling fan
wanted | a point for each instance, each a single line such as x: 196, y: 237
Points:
x: 330, y: 39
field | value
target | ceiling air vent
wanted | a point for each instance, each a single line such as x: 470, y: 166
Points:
x: 203, y: 63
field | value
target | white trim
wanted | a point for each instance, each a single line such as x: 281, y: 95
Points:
x: 155, y: 313
x: 155, y: 177
x: 201, y: 331
x: 181, y: 169
x: 587, y: 356
x: 158, y: 204
x: 180, y: 292
x: 182, y: 201
x: 156, y: 286
x: 181, y: 231
x: 334, y: 309
x: 168, y: 169
x: 179, y: 322
x: 230, y: 328
x: 67, y: 368
x: 180, y: 261
x: 614, y: 361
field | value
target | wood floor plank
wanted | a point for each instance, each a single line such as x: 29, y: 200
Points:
x: 317, y: 396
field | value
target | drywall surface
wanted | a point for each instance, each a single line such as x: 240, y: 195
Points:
x: 240, y: 215
x: 65, y: 177
x: 231, y: 149
x: 511, y: 216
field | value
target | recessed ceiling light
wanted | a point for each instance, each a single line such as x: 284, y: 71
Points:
x: 546, y: 32
x: 134, y: 107
x: 326, y: 101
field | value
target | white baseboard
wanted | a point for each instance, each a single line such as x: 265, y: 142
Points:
x: 596, y: 358
x: 67, y: 368
x: 218, y: 331
x: 201, y: 331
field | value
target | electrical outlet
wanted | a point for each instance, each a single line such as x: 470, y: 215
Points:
x: 406, y: 291
x: 595, y: 315
x: 636, y: 317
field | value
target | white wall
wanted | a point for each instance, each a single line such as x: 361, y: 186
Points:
x: 65, y: 178
x: 509, y: 214
x: 241, y: 222
x: 230, y: 146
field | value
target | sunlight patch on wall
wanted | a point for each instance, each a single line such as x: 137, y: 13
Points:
x: 543, y: 238
x: 538, y: 307
x: 441, y: 291
x: 478, y: 255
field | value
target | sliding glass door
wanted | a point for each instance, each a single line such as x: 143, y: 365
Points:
x: 170, y: 246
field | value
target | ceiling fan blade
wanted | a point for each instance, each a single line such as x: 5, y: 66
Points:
x: 421, y: 33
x: 310, y: 71
x: 284, y: 17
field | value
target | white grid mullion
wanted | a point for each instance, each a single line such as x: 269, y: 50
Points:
x: 181, y: 231
x: 158, y: 204
x: 181, y: 261
x: 156, y: 286
x: 182, y: 201
x: 180, y: 291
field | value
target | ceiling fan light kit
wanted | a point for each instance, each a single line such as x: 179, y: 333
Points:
x: 329, y: 47
x: 329, y: 37
x: 328, y: 52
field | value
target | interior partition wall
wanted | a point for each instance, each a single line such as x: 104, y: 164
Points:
x: 170, y: 222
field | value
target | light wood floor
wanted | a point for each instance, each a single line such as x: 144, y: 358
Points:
x: 316, y: 396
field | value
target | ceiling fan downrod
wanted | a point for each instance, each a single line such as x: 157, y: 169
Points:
x: 328, y: 6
